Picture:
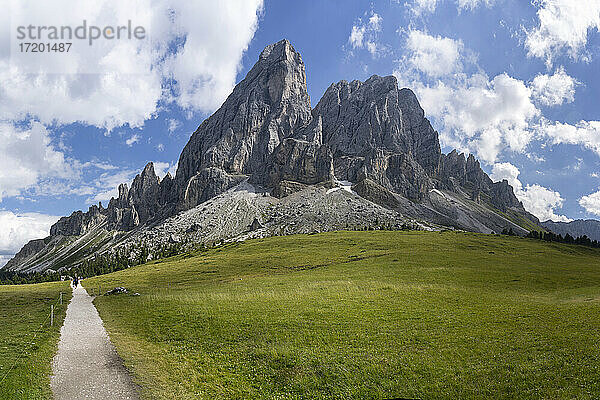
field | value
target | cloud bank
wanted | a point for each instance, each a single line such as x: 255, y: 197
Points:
x: 18, y: 229
x: 186, y: 60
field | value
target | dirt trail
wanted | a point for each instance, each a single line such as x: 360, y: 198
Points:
x: 87, y: 365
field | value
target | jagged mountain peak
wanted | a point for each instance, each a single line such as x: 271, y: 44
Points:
x: 280, y: 50
x: 167, y: 176
x: 379, y: 83
x: 382, y: 83
x: 365, y: 123
x: 269, y: 105
x: 281, y: 71
x: 149, y: 169
x: 145, y: 179
x: 462, y: 158
x: 123, y: 191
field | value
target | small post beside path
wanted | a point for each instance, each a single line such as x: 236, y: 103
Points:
x: 52, y: 315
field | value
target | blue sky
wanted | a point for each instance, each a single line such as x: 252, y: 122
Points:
x: 514, y: 82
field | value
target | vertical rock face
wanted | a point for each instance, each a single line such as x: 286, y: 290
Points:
x: 148, y: 199
x: 78, y: 223
x: 462, y: 174
x: 299, y: 161
x: 503, y: 196
x: 379, y: 132
x: 166, y: 190
x: 456, y: 169
x: 205, y: 184
x: 361, y: 116
x: 269, y: 105
x: 144, y: 193
x: 425, y: 144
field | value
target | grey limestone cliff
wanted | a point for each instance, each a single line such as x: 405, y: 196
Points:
x: 268, y: 106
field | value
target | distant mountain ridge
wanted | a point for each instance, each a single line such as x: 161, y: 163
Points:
x: 366, y: 150
x: 580, y: 227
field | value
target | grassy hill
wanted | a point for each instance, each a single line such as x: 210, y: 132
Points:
x: 27, y: 342
x: 363, y: 315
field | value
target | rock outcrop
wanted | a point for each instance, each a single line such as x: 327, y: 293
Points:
x: 145, y: 201
x: 464, y: 175
x: 301, y: 162
x: 270, y: 105
x: 378, y: 131
x: 30, y: 249
x: 79, y: 222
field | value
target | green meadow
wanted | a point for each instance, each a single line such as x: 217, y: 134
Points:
x: 362, y: 315
x: 27, y: 342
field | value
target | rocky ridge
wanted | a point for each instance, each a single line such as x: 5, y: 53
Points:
x: 579, y: 227
x: 364, y: 157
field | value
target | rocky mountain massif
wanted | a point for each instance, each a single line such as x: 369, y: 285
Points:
x: 266, y: 163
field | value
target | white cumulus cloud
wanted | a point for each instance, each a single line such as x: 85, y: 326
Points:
x: 584, y: 133
x: 476, y: 113
x: 19, y: 228
x: 364, y: 34
x: 472, y: 4
x: 173, y: 125
x: 27, y: 157
x: 484, y: 115
x: 554, y: 90
x: 216, y: 35
x: 187, y: 60
x: 506, y: 171
x: 135, y: 138
x: 356, y: 36
x: 422, y: 6
x: 433, y: 55
x: 591, y: 203
x: 419, y: 7
x: 542, y: 202
x: 563, y: 26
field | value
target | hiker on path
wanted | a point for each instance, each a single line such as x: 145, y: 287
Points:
x: 75, y: 282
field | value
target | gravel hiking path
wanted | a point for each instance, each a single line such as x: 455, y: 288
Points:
x: 87, y: 365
